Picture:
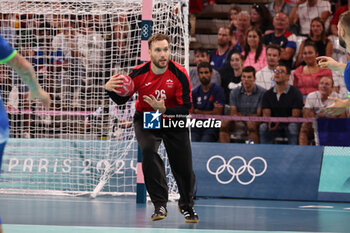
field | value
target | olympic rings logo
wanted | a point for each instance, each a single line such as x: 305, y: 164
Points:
x: 232, y: 171
x: 145, y: 30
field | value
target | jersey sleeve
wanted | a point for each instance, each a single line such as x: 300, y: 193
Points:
x: 183, y: 92
x: 6, y: 51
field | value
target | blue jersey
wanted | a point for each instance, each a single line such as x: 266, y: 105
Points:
x: 205, y: 100
x: 347, y: 77
x: 6, y: 54
x: 6, y: 51
x: 217, y: 61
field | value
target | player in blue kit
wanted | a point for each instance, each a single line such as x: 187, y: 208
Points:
x: 26, y: 72
x: 339, y: 105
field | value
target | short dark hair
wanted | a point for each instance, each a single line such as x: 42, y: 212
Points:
x: 158, y: 37
x: 285, y: 64
x: 329, y: 78
x: 249, y: 69
x: 205, y: 65
x: 274, y: 46
x: 235, y: 52
x: 310, y: 44
x: 236, y: 8
x: 201, y: 50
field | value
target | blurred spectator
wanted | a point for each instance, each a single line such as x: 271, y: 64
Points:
x: 45, y: 61
x: 27, y: 39
x: 218, y: 56
x: 35, y: 44
x: 282, y: 37
x: 307, y: 77
x: 264, y: 77
x: 6, y: 76
x: 208, y: 98
x: 209, y: 2
x: 123, y: 50
x: 231, y: 73
x: 196, y: 6
x: 234, y: 43
x: 232, y: 15
x: 243, y: 24
x: 335, y: 18
x: 260, y: 18
x: 112, y: 120
x: 202, y: 55
x: 55, y: 18
x: 90, y: 45
x: 339, y: 84
x: 278, y: 6
x: 42, y: 46
x: 315, y: 103
x: 254, y: 50
x: 38, y: 19
x: 306, y: 10
x: 6, y: 29
x: 324, y: 46
x: 245, y: 100
x: 67, y: 42
x: 283, y: 100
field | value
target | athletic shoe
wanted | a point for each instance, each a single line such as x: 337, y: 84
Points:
x: 190, y: 215
x: 159, y: 213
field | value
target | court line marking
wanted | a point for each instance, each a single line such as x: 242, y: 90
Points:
x: 278, y: 208
x: 153, y: 229
x: 343, y: 210
x: 317, y: 206
x: 61, y: 200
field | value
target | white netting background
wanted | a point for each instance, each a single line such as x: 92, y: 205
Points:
x: 75, y: 46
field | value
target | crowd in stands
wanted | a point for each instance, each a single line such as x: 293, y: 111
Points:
x: 70, y: 51
x: 265, y: 65
x: 73, y: 56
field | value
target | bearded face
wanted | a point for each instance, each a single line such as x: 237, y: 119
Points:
x: 160, y: 54
x: 204, y: 75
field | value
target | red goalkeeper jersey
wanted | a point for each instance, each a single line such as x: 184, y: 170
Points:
x: 173, y: 84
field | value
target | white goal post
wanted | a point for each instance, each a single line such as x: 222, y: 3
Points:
x: 84, y: 141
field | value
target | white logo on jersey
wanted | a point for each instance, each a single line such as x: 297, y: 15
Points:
x: 169, y: 83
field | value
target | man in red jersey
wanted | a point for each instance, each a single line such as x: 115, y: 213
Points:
x: 163, y: 86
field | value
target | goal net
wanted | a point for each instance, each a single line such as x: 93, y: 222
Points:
x: 74, y: 47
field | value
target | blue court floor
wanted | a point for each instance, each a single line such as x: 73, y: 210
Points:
x: 49, y: 214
